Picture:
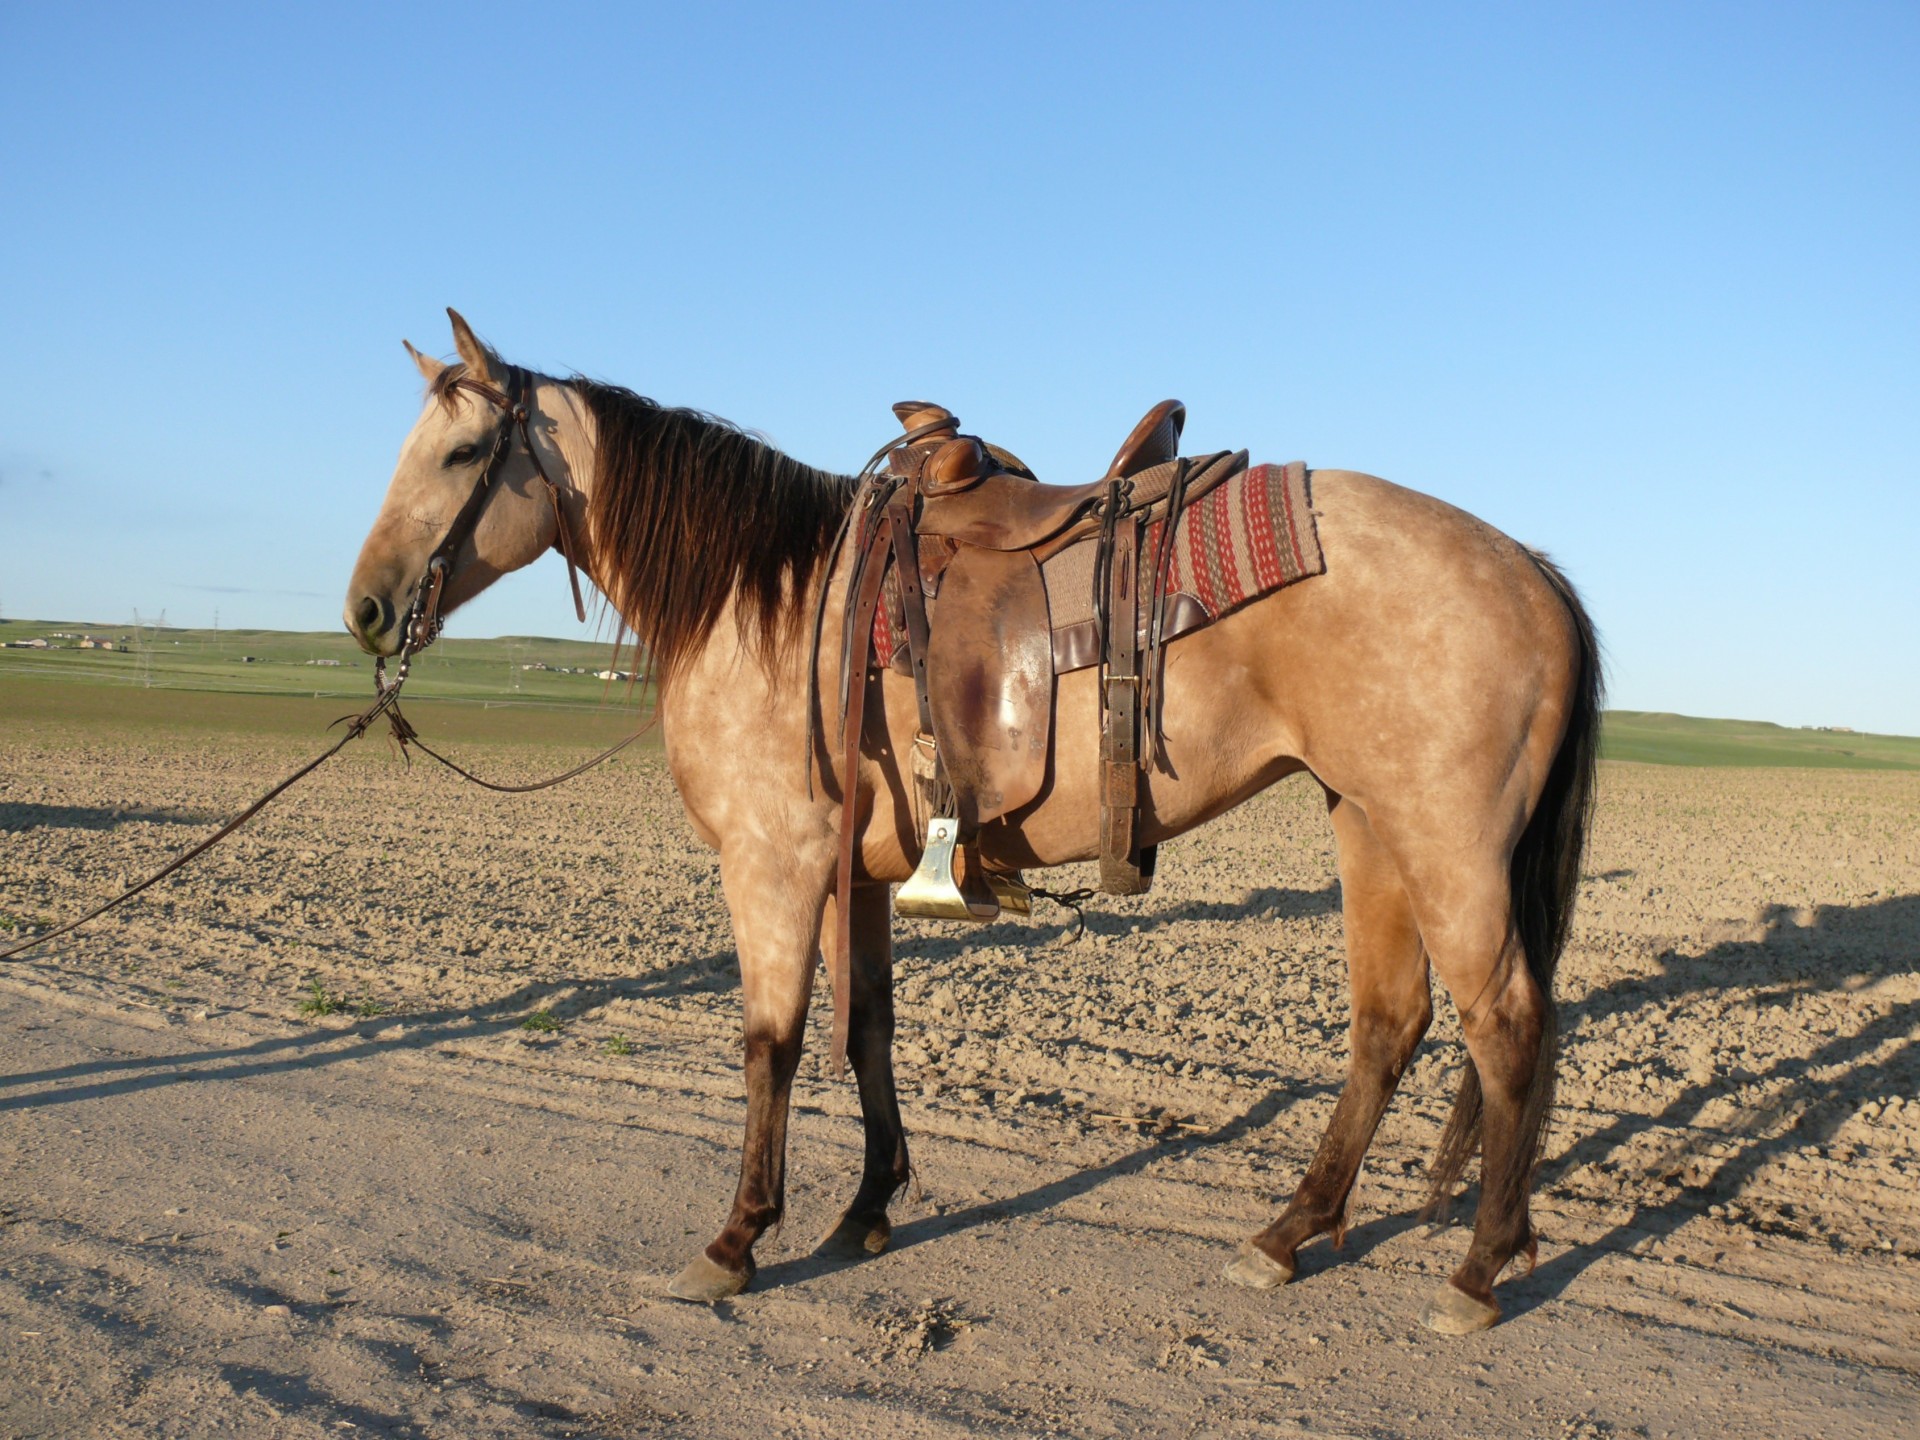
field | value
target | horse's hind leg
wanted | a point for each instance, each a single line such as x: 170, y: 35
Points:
x: 1391, y: 1009
x: 864, y: 1230
x: 1507, y: 1020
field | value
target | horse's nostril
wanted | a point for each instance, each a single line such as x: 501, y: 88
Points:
x: 367, y: 613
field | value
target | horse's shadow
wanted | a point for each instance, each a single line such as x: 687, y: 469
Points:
x: 17, y: 817
x: 1054, y: 924
x: 327, y: 1045
x: 1049, y: 1194
x: 1844, y: 946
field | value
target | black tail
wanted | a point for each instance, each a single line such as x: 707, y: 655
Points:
x: 1545, y: 875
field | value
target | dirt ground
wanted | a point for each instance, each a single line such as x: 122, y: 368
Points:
x: 221, y: 1216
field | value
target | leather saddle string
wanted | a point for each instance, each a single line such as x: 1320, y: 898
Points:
x: 868, y: 525
x: 906, y: 563
x: 873, y: 570
x: 1155, y: 668
x: 936, y: 796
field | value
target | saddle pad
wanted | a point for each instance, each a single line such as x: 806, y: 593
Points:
x: 1247, y: 537
x: 1242, y: 540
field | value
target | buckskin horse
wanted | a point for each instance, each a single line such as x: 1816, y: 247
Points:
x: 1439, y: 681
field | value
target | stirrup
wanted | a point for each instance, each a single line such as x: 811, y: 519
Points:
x: 932, y: 891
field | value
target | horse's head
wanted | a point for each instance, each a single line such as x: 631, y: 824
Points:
x: 442, y: 462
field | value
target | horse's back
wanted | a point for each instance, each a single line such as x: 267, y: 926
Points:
x: 1433, y: 657
x: 1434, y: 645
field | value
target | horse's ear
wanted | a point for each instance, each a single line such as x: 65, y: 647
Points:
x: 480, y: 360
x: 429, y: 367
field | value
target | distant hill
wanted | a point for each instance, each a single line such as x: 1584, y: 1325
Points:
x: 1657, y: 738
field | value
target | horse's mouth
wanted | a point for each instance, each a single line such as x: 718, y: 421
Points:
x: 373, y: 623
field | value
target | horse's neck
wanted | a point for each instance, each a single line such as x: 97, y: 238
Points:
x: 569, y: 436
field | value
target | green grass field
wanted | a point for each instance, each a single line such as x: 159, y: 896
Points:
x: 1657, y: 738
x: 204, y: 680
x: 481, y: 690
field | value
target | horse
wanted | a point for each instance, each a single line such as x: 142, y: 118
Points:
x: 1440, y: 681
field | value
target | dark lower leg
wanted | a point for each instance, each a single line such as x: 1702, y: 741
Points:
x: 761, y: 1197
x: 1505, y: 1051
x: 870, y: 1049
x: 1381, y: 1049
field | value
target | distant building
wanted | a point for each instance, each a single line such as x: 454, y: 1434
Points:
x: 38, y: 642
x: 334, y: 663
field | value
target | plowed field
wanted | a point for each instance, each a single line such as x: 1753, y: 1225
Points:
x: 279, y: 1154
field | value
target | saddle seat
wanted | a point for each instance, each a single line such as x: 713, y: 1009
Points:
x: 971, y: 496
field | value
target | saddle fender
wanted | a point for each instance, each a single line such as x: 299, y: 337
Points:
x: 990, y: 682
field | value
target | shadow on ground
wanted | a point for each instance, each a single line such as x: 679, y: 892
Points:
x: 1808, y: 1097
x: 15, y: 818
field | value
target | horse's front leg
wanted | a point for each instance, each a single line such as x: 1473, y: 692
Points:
x: 776, y: 900
x: 864, y: 1230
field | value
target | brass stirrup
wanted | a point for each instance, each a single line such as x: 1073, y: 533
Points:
x: 932, y: 891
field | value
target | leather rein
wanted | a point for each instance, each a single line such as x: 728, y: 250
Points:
x: 421, y: 628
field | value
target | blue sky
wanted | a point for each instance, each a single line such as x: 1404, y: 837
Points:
x: 1635, y: 283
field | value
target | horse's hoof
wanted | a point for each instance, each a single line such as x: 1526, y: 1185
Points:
x: 705, y: 1282
x: 855, y: 1239
x: 1254, y: 1268
x: 1454, y: 1312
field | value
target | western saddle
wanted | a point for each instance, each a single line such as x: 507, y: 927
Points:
x: 956, y: 544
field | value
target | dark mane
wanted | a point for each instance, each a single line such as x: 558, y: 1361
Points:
x: 687, y: 511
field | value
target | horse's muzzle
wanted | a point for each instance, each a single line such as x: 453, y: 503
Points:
x: 370, y: 621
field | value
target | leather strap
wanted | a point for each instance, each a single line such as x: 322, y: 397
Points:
x: 868, y: 489
x: 1120, y: 701
x: 913, y: 601
x: 1154, y: 674
x: 872, y: 572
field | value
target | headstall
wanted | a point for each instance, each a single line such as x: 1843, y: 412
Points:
x: 423, y: 622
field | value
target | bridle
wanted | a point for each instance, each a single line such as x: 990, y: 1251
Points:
x: 423, y: 620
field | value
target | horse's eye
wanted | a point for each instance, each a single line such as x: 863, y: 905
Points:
x: 463, y: 456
